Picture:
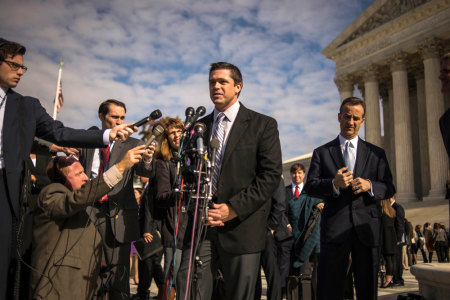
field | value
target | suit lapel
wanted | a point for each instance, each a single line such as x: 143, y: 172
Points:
x: 239, y: 126
x: 361, y: 158
x: 336, y: 154
x: 9, y: 120
x: 208, y: 121
x: 116, y: 153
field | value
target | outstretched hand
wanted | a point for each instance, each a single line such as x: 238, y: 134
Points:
x: 132, y: 157
x: 122, y: 132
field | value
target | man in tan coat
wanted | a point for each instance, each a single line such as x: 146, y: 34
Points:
x: 66, y: 245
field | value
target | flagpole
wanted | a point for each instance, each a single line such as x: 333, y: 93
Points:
x: 55, y: 104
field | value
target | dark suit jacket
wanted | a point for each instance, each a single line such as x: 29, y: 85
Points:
x: 249, y: 175
x: 343, y: 212
x: 399, y: 221
x: 121, y: 199
x: 35, y: 122
x: 278, y: 220
x: 66, y: 247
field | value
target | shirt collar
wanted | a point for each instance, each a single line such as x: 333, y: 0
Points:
x: 294, y: 185
x: 230, y: 113
x: 3, y: 92
x: 353, y: 141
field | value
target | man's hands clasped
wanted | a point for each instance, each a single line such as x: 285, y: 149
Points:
x: 344, y: 179
x: 219, y: 214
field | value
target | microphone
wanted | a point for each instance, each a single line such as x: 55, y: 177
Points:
x: 157, y: 131
x: 198, y: 113
x: 214, y: 144
x: 156, y: 114
x: 188, y: 113
x: 199, y: 129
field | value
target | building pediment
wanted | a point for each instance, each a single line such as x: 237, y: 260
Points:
x: 387, y: 27
x: 377, y: 14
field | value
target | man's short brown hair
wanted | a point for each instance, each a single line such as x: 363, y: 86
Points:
x: 12, y: 49
x: 353, y: 101
x: 104, y: 106
x: 296, y: 167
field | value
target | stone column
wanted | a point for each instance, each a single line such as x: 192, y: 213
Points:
x: 402, y: 130
x: 422, y: 133
x: 345, y: 86
x: 372, y: 99
x: 387, y: 120
x: 434, y: 109
x: 391, y: 128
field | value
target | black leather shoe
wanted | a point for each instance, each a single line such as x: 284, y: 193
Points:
x: 400, y: 283
x: 388, y: 285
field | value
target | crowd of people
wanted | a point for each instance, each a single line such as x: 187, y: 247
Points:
x: 89, y: 224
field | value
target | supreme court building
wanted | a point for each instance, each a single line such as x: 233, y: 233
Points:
x: 392, y: 54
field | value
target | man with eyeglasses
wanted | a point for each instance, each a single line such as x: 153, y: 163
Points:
x: 21, y: 119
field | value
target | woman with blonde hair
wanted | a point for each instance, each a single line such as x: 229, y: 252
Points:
x: 389, y: 241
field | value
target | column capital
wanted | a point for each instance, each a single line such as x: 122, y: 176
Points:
x: 371, y: 73
x: 430, y: 48
x: 345, y: 82
x: 397, y: 61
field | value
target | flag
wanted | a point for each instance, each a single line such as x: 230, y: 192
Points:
x: 57, y: 104
x: 59, y: 99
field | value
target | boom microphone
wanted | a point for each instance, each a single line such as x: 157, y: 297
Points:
x: 198, y: 113
x: 199, y: 129
x: 156, y: 114
x: 157, y: 131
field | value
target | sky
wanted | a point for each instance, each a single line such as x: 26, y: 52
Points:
x: 155, y: 54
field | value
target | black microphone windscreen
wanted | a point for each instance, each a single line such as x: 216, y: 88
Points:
x: 199, y: 128
x: 200, y: 111
x: 189, y: 112
x: 156, y: 114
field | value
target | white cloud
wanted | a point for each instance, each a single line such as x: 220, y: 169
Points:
x: 156, y: 54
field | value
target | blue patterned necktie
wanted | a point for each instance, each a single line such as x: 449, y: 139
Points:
x: 219, y: 133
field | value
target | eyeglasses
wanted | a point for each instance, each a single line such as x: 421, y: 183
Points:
x: 15, y: 66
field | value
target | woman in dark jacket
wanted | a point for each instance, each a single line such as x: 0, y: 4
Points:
x: 389, y: 245
x: 174, y: 220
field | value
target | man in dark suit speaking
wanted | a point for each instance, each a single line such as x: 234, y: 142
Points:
x: 247, y: 173
x: 351, y: 175
x: 21, y: 119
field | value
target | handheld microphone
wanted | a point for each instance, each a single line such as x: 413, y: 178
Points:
x: 156, y: 114
x: 157, y: 131
x: 199, y: 129
x: 189, y: 114
x: 198, y: 113
x: 214, y: 144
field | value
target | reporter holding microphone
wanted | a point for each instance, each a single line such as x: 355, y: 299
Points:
x: 116, y: 214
